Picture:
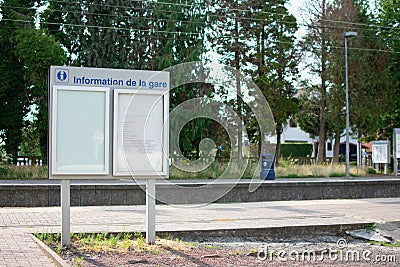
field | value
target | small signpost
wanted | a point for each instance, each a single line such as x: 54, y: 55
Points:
x: 380, y: 153
x: 396, y: 150
x: 108, y: 124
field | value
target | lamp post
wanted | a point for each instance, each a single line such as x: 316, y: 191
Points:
x: 347, y: 35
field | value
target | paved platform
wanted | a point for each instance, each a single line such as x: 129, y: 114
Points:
x: 17, y: 248
x: 46, y: 193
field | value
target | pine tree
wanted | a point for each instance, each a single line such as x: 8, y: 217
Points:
x: 276, y: 59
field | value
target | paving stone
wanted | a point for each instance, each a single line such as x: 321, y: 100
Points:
x: 17, y: 248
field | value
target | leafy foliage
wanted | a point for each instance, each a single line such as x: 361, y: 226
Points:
x: 38, y: 50
x: 370, y: 85
x: 296, y: 150
x: 14, y: 96
x: 389, y: 19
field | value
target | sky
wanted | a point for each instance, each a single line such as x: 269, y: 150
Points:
x: 295, y: 7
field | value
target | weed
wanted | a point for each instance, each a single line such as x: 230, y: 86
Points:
x: 141, y: 242
x: 126, y: 243
x: 59, y: 248
x: 370, y: 228
x: 138, y: 235
x: 78, y: 261
x: 155, y: 251
x: 127, y: 236
x: 114, y: 239
x: 57, y: 237
x: 102, y: 236
x: 340, y: 232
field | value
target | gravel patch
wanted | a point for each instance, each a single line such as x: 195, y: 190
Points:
x: 250, y: 251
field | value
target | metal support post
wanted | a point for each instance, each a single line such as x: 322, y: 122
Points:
x: 150, y: 211
x: 65, y: 213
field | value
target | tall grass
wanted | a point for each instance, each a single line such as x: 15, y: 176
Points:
x: 13, y: 172
x: 214, y: 171
x: 287, y: 169
x: 324, y: 170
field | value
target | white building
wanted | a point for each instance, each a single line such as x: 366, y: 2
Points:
x: 293, y: 134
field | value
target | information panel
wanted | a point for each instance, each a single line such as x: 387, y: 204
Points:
x: 396, y: 150
x: 380, y: 152
x: 81, y: 130
x: 108, y: 123
x: 138, y: 148
x: 396, y: 144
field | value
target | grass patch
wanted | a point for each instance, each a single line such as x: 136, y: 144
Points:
x: 13, y: 172
x: 287, y: 169
x: 217, y: 169
x: 111, y: 242
x: 322, y: 171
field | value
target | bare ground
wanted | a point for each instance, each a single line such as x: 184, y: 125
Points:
x: 239, y: 252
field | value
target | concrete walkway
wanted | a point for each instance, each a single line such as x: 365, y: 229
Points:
x: 18, y: 249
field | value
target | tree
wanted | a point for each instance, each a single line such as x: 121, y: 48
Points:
x: 276, y: 59
x: 37, y: 51
x: 178, y: 37
x: 27, y: 54
x: 389, y: 18
x: 99, y: 32
x: 14, y: 95
x: 30, y: 143
x: 342, y: 13
x: 308, y: 113
x: 370, y: 88
x: 135, y: 34
x: 230, y: 37
x: 315, y: 46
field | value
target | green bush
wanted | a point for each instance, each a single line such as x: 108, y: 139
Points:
x: 296, y: 150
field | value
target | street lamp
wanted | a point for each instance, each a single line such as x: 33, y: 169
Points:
x: 347, y: 35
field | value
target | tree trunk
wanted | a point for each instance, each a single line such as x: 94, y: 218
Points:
x: 238, y: 96
x: 322, y: 129
x: 322, y: 132
x: 336, y: 148
x: 278, y: 146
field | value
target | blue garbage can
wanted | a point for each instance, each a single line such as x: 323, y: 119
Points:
x: 267, y: 167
